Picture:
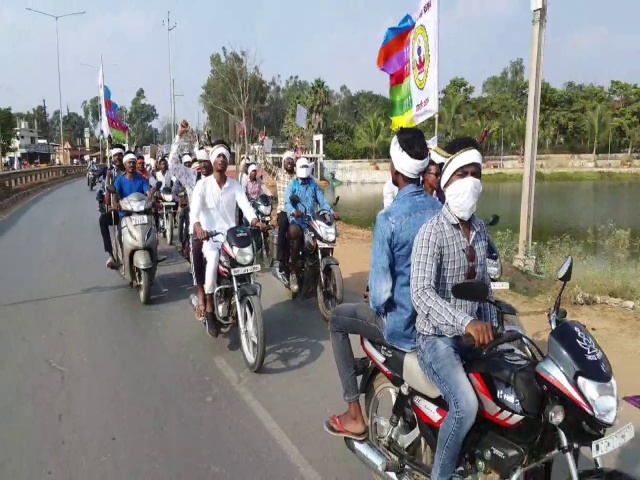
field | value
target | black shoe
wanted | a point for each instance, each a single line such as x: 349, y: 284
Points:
x: 212, y: 324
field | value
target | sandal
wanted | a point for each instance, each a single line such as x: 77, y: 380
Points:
x: 341, y: 431
x: 199, y: 312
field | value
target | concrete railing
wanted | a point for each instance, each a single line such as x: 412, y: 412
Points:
x: 16, y: 179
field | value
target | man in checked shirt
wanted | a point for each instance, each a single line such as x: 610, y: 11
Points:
x: 283, y: 178
x: 451, y: 248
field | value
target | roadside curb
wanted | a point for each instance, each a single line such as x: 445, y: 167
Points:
x: 11, y: 204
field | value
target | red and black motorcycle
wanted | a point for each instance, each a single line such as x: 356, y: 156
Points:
x: 532, y: 406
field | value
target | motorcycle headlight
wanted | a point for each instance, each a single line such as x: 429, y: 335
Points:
x: 328, y: 233
x: 603, y: 398
x: 494, y: 269
x: 265, y: 209
x: 244, y: 256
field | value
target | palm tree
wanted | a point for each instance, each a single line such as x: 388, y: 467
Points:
x: 598, y: 125
x: 371, y: 133
x: 451, y: 115
x: 319, y: 100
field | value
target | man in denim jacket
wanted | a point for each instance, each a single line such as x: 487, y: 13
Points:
x: 390, y: 315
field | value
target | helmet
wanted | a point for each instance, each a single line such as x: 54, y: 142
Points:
x: 303, y: 168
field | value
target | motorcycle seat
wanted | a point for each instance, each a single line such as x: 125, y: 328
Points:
x: 415, y: 377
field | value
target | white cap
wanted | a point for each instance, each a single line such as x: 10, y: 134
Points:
x: 186, y: 158
x: 303, y: 169
x: 202, y: 155
x: 252, y: 168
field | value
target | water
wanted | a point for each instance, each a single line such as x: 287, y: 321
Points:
x: 560, y: 207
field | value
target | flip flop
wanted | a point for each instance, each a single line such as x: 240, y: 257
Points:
x: 341, y: 431
x: 199, y: 312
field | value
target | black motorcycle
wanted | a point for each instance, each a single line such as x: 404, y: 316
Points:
x: 531, y: 408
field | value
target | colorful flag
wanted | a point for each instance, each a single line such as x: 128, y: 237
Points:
x: 409, y: 55
x: 110, y: 123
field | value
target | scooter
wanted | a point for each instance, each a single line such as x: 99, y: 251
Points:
x: 264, y: 242
x: 167, y: 213
x: 136, y: 245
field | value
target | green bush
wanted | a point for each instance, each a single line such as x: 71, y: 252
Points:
x: 606, y: 263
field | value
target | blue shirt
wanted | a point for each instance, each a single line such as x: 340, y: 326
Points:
x: 310, y: 194
x: 125, y: 187
x: 389, y: 280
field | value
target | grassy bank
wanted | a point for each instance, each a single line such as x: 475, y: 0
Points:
x: 606, y: 263
x: 564, y: 176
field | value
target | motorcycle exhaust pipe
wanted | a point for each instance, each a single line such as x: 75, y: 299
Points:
x: 371, y: 456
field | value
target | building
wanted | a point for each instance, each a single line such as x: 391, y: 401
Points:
x: 28, y: 146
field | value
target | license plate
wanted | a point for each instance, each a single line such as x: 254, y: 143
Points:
x: 326, y: 245
x: 139, y: 219
x: 245, y: 270
x: 612, y: 442
x: 499, y: 285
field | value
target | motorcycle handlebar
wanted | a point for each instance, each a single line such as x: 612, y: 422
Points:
x: 500, y: 339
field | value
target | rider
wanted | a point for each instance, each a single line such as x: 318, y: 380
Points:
x: 255, y: 186
x: 141, y: 167
x: 162, y: 175
x: 390, y: 315
x: 185, y: 178
x: 310, y: 195
x: 283, y: 178
x: 452, y: 247
x: 108, y: 173
x: 213, y: 205
x: 125, y: 185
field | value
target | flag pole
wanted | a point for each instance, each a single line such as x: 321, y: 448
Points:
x: 438, y: 70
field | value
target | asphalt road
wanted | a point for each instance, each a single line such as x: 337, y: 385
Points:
x: 94, y: 385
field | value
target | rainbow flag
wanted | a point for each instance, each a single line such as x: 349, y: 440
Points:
x: 110, y: 122
x: 394, y: 59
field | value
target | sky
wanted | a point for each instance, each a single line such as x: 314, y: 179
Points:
x: 587, y: 41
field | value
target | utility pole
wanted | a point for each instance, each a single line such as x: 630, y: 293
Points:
x: 171, y: 99
x: 539, y: 8
x: 173, y: 107
x: 46, y: 116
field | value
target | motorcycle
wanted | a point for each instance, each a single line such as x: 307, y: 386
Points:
x: 92, y: 178
x: 237, y: 295
x: 265, y: 244
x: 531, y: 409
x: 136, y: 245
x: 167, y: 213
x: 318, y: 269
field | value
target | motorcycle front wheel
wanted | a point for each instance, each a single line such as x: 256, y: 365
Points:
x: 144, y: 286
x: 168, y: 225
x: 252, y: 334
x: 332, y: 294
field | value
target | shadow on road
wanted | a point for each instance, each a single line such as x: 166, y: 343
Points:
x: 295, y: 331
x: 84, y: 291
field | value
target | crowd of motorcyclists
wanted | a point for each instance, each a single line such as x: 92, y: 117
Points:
x: 426, y: 239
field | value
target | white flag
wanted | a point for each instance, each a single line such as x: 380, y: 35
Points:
x: 104, y: 123
x: 301, y: 116
x: 424, y: 61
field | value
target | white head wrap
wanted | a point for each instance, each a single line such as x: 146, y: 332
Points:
x: 202, y: 155
x: 303, y: 169
x: 438, y: 155
x: 410, y: 167
x: 187, y: 158
x: 117, y: 151
x: 219, y: 150
x: 286, y: 155
x: 252, y: 168
x: 130, y: 157
x: 461, y: 159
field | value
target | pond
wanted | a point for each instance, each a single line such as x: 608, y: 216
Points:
x: 560, y: 207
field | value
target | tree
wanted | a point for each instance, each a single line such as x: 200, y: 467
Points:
x: 318, y: 101
x: 7, y: 132
x: 141, y: 114
x: 91, y: 112
x: 372, y: 134
x: 235, y: 88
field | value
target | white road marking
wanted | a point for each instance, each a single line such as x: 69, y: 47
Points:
x: 307, y: 471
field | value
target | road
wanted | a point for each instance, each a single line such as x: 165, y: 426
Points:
x: 95, y: 385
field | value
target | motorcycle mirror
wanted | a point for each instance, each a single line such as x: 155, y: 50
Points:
x: 492, y: 221
x: 336, y: 200
x: 294, y: 199
x: 158, y: 185
x: 564, y: 272
x: 471, y: 291
x: 111, y: 189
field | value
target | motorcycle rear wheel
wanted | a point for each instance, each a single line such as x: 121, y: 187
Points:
x: 252, y: 333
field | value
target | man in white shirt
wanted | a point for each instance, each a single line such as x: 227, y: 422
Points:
x: 213, y: 207
x: 389, y: 192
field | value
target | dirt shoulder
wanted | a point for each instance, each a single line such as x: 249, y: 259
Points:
x: 616, y: 330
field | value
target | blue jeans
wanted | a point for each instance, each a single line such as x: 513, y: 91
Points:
x: 441, y: 359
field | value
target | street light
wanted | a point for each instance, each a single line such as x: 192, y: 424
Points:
x: 171, y: 98
x: 57, y: 17
x: 539, y: 9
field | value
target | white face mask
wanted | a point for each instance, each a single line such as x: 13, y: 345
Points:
x: 462, y: 197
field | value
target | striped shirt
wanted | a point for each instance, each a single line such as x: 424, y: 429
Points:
x: 283, y: 179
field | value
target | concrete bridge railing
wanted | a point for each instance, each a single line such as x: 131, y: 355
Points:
x: 17, y: 179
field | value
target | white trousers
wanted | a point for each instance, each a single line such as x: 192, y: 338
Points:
x: 211, y: 252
